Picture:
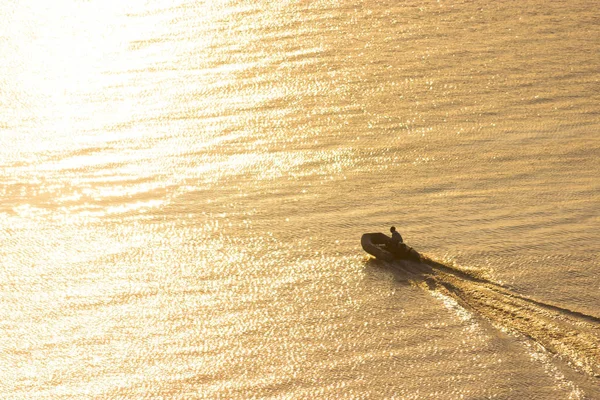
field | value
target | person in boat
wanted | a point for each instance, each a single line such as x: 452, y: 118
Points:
x: 396, y: 238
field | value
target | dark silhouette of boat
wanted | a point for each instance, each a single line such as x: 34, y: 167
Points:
x: 384, y: 248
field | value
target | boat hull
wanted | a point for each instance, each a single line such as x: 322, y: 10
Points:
x: 383, y: 248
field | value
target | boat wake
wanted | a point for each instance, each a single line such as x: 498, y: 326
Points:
x: 571, y: 335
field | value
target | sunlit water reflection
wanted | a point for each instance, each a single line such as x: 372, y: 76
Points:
x: 184, y: 186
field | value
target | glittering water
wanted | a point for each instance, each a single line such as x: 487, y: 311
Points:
x: 183, y: 188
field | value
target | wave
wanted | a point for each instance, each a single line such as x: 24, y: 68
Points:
x: 572, y: 335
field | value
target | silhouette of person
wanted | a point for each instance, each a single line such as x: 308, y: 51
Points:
x: 396, y: 238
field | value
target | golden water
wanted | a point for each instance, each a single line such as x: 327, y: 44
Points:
x: 183, y: 188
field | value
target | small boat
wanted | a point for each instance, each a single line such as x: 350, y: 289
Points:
x: 384, y: 248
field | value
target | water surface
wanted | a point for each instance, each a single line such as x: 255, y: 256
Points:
x: 184, y: 186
